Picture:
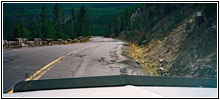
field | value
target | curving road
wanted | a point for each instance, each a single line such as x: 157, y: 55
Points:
x: 99, y: 57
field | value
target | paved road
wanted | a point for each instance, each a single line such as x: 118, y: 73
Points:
x: 99, y: 57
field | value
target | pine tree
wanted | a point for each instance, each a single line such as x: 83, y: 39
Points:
x: 57, y: 17
x: 51, y: 31
x: 69, y: 29
x: 74, y: 21
x: 126, y: 18
x: 43, y: 22
x: 21, y: 30
x: 109, y: 29
x: 63, y: 31
x: 81, y: 21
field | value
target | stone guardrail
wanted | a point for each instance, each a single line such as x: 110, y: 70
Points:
x: 23, y: 42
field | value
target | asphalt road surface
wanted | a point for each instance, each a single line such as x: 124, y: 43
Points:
x: 99, y: 57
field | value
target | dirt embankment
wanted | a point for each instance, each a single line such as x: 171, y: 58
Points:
x: 184, y: 48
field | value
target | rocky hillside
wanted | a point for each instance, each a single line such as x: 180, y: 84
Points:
x: 176, y: 39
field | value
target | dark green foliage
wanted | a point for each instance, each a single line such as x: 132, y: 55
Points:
x: 129, y: 35
x: 144, y: 19
x: 143, y: 40
x: 208, y: 9
x: 50, y: 30
x: 43, y: 23
x: 122, y: 21
x: 73, y: 22
x: 46, y: 20
x: 21, y: 30
x: 8, y: 29
x: 163, y: 30
x: 57, y: 19
x: 70, y: 29
x: 177, y: 16
x: 82, y: 22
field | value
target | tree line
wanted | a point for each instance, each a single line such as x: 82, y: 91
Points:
x: 58, y: 27
x: 121, y: 22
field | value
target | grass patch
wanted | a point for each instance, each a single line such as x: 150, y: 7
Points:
x: 137, y: 53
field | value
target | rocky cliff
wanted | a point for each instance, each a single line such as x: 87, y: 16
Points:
x: 177, y: 39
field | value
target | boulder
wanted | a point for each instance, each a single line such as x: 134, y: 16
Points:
x: 22, y: 44
x: 199, y: 18
x: 5, y: 44
x: 44, y: 42
x: 69, y: 40
x: 80, y: 37
x: 37, y: 39
x: 59, y: 39
x: 13, y: 42
x: 161, y: 60
x: 30, y: 43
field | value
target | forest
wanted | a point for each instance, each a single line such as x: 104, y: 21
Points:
x: 58, y: 21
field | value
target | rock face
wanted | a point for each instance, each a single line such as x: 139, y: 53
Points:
x: 181, y: 39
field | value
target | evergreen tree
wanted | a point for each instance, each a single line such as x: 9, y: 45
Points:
x: 109, y: 29
x: 21, y: 30
x: 63, y: 31
x: 51, y: 30
x: 69, y: 29
x: 126, y: 18
x: 35, y: 30
x: 82, y: 22
x: 74, y: 21
x: 43, y: 22
x: 57, y: 17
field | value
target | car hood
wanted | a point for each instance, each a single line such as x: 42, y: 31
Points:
x: 117, y: 86
x: 122, y: 92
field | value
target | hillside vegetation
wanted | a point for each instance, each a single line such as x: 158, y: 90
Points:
x: 30, y: 16
x: 173, y: 39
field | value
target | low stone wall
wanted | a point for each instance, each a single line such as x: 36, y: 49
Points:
x: 23, y: 42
